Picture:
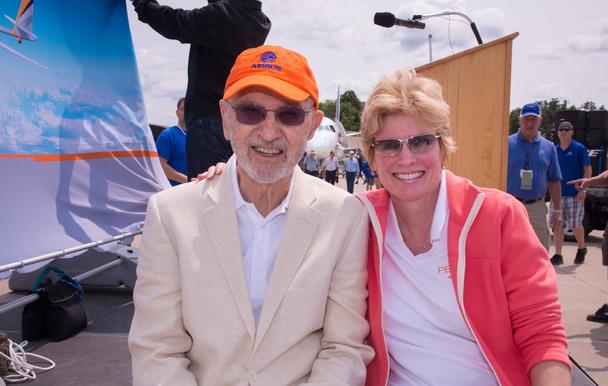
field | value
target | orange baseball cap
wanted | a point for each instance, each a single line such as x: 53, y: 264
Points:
x: 275, y: 68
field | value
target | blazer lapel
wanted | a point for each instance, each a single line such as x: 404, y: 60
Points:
x: 301, y: 225
x: 221, y: 224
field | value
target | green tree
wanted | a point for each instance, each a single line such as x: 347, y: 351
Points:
x: 350, y: 110
x: 329, y: 108
x: 589, y: 106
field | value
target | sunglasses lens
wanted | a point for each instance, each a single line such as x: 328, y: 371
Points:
x: 420, y: 143
x: 250, y: 114
x: 387, y: 146
x: 291, y: 116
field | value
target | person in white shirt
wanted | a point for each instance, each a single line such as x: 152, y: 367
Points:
x: 330, y: 165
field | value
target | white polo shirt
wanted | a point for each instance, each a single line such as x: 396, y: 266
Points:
x: 428, y: 341
x: 260, y: 238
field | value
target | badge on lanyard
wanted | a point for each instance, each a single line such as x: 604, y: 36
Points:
x: 526, y: 175
x: 526, y: 179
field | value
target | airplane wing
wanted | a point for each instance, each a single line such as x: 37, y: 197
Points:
x: 19, y: 54
x: 7, y: 31
x: 9, y: 19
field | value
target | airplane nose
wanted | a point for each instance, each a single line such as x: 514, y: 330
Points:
x: 322, y: 143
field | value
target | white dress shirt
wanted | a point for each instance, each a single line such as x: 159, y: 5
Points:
x: 331, y: 164
x: 260, y: 238
x: 428, y: 340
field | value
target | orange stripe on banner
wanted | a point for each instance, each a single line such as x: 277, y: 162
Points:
x: 82, y: 156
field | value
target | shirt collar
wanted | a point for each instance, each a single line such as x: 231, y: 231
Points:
x: 240, y: 202
x: 521, y: 137
x: 441, y: 210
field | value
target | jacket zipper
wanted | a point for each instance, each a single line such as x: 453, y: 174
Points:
x: 460, y: 270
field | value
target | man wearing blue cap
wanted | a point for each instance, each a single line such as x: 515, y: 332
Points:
x: 532, y: 170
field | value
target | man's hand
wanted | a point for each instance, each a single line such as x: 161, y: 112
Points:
x: 555, y: 219
x: 580, y: 184
x: 210, y: 173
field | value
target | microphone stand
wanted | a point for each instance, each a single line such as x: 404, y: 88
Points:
x: 471, y: 23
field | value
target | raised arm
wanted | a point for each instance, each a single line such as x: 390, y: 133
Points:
x: 199, y: 25
x: 583, y: 183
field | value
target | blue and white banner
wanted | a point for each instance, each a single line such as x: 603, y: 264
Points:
x: 77, y: 158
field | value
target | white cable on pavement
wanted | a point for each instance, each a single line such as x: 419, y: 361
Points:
x: 17, y: 358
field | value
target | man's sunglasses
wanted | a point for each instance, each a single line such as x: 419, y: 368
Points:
x: 563, y: 129
x: 416, y: 144
x: 250, y: 114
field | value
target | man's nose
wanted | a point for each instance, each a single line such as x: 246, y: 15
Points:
x: 270, y: 127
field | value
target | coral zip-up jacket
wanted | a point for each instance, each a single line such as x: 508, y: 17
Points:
x: 503, y: 280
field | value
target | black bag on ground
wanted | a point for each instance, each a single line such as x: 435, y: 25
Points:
x: 58, y: 313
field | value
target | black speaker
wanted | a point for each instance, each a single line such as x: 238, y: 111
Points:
x: 578, y: 118
x: 598, y: 119
x: 598, y: 160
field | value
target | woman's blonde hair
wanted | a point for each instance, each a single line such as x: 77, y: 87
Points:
x: 405, y: 92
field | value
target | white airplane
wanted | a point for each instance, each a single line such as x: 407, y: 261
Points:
x: 22, y: 29
x: 329, y: 136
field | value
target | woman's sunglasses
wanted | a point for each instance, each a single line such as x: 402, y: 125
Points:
x: 416, y: 144
x: 250, y: 114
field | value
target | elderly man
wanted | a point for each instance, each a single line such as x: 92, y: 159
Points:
x: 532, y: 169
x: 574, y: 164
x: 256, y: 277
x: 351, y: 169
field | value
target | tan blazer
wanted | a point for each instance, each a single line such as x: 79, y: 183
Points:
x: 194, y: 322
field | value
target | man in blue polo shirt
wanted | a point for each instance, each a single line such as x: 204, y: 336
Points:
x: 574, y: 164
x: 171, y: 147
x: 532, y: 169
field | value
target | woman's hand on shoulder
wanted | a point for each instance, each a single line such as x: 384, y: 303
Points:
x: 210, y: 173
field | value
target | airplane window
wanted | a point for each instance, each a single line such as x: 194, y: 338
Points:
x: 332, y: 128
x: 323, y: 128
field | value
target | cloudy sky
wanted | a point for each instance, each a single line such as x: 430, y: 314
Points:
x: 561, y: 52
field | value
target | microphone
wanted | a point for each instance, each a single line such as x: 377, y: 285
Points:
x: 387, y: 20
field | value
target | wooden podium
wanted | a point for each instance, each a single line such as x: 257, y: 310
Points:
x: 477, y: 85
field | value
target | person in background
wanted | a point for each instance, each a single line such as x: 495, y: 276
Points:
x: 257, y: 277
x: 467, y: 294
x: 330, y: 165
x: 311, y: 164
x: 359, y: 158
x: 351, y: 170
x: 532, y: 169
x: 217, y: 33
x: 171, y: 147
x: 601, y: 315
x: 368, y: 175
x: 574, y: 164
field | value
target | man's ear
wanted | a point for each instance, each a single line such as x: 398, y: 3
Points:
x: 225, y: 116
x: 316, y: 121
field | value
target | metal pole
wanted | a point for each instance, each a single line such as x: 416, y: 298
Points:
x: 430, y: 48
x: 20, y: 264
x: 33, y: 297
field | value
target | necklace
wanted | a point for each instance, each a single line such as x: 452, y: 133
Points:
x: 425, y: 245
